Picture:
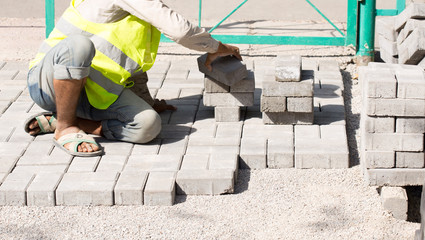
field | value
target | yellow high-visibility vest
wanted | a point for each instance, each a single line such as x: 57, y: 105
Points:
x: 122, y: 48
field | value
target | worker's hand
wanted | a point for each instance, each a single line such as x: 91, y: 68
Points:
x: 223, y: 50
x: 160, y: 106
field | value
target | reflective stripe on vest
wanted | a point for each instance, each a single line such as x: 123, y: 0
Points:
x: 122, y: 48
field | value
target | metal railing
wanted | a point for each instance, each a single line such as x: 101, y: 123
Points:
x: 359, y: 33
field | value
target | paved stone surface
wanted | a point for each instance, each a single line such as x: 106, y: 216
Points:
x: 194, y: 153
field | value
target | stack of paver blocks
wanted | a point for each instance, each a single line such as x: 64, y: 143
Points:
x: 401, y: 37
x: 287, y: 96
x: 393, y: 124
x: 228, y: 87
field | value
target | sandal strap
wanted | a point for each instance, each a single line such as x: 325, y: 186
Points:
x: 75, y: 140
x: 44, y: 124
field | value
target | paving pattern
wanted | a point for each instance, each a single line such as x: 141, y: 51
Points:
x: 193, y: 155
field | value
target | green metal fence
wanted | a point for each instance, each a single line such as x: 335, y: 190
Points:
x: 359, y: 33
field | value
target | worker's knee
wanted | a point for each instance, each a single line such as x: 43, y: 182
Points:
x: 73, y: 58
x: 149, y: 126
x: 83, y: 50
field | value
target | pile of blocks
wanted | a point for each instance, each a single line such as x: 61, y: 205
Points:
x: 401, y: 37
x: 287, y: 95
x: 228, y: 86
x: 393, y: 124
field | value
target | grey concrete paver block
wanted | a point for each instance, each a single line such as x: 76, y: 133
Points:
x: 286, y: 118
x: 160, y: 189
x: 389, y: 46
x: 273, y: 104
x: 83, y: 164
x: 379, y: 159
x: 380, y: 84
x: 245, y: 85
x: 228, y: 99
x: 378, y: 124
x: 7, y: 163
x: 39, y: 148
x: 228, y: 130
x: 395, y: 177
x: 163, y: 162
x: 195, y: 161
x: 117, y: 148
x: 205, y: 182
x: 27, y: 160
x: 173, y: 146
x: 112, y: 163
x: 223, y: 161
x: 253, y: 153
x: 409, y: 160
x: 94, y: 189
x: 12, y: 148
x: 394, y: 200
x: 41, y: 191
x: 387, y: 57
x: 413, y: 11
x: 288, y: 68
x: 410, y: 125
x: 30, y: 169
x: 385, y: 27
x: 130, y: 187
x: 321, y: 146
x: 227, y: 114
x: 394, y: 141
x: 397, y: 107
x: 212, y: 149
x: 280, y: 152
x: 13, y: 189
x: 228, y: 70
x: 328, y: 65
x: 213, y: 86
x: 299, y: 104
x: 411, y: 83
x: 272, y: 88
x: 412, y: 50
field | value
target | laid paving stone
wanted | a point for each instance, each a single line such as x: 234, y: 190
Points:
x: 212, y: 149
x: 112, y: 163
x: 116, y: 148
x: 150, y: 163
x: 227, y: 114
x: 253, y: 153
x: 205, y: 182
x: 13, y: 189
x: 41, y: 191
x: 129, y: 188
x: 7, y: 163
x: 286, y: 118
x: 219, y: 161
x: 35, y: 169
x: 195, y: 161
x: 280, y: 152
x: 228, y: 70
x: 83, y: 164
x: 12, y: 148
x: 35, y: 160
x: 160, y: 189
x: 321, y: 146
x: 82, y: 189
x: 173, y: 146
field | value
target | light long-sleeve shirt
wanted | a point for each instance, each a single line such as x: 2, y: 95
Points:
x: 155, y: 12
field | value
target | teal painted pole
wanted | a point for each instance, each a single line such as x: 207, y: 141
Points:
x: 200, y: 13
x: 401, y: 5
x: 366, y: 46
x: 50, y: 16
